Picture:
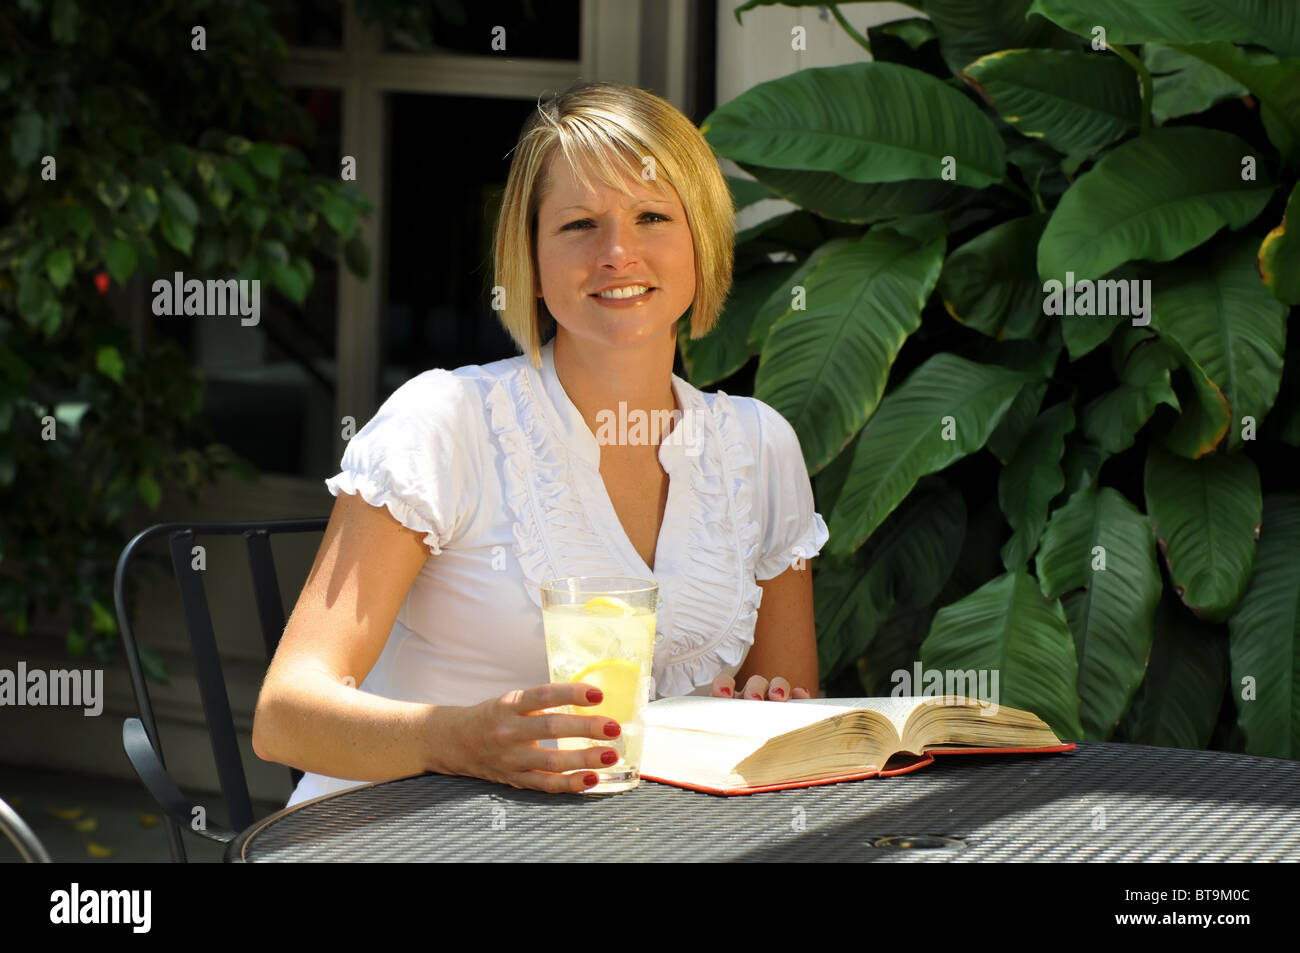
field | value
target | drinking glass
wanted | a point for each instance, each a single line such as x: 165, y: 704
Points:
x: 600, y: 630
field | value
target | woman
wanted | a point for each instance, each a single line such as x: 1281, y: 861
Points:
x: 470, y: 488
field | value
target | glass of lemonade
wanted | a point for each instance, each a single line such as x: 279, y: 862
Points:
x: 601, y: 630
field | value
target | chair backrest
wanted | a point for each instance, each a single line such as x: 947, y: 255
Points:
x: 20, y: 835
x: 198, y: 623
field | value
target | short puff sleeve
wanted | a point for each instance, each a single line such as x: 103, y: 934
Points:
x: 414, y: 457
x: 792, y: 529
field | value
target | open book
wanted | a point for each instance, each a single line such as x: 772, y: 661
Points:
x: 738, y: 746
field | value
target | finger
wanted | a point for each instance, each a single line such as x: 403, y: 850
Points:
x: 778, y: 690
x: 574, y: 783
x: 556, y: 761
x: 724, y: 686
x: 800, y: 693
x: 553, y: 695
x: 756, y: 688
x: 555, y: 724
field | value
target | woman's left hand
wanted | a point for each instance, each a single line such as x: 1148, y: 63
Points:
x: 757, y: 688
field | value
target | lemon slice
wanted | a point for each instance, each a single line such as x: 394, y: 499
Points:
x: 619, y: 680
x: 607, y: 605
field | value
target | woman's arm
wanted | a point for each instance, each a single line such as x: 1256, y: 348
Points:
x: 308, y: 714
x: 785, y: 638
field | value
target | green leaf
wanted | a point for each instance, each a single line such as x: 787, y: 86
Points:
x: 779, y: 303
x: 1265, y: 22
x: 835, y: 197
x: 1265, y: 637
x: 1142, y: 363
x: 1031, y: 480
x: 824, y: 368
x: 339, y: 213
x: 177, y: 233
x: 120, y: 258
x: 113, y: 189
x: 108, y: 361
x: 238, y: 176
x: 1275, y: 85
x: 968, y: 29
x: 79, y: 220
x: 1144, y: 199
x: 1100, y: 544
x: 1077, y: 102
x: 1179, y: 701
x: 1221, y: 315
x: 58, y: 265
x: 26, y: 139
x: 1284, y: 418
x: 1008, y: 629
x: 990, y: 284
x: 149, y: 490
x: 265, y: 159
x: 1189, y: 86
x: 908, y: 560
x: 1206, y: 514
x: 724, y: 350
x: 905, y: 439
x: 289, y: 281
x: 143, y: 205
x: 35, y: 299
x: 845, y: 119
x: 747, y: 192
x: 179, y: 203
x: 75, y: 643
x: 1279, y: 255
x: 102, y: 620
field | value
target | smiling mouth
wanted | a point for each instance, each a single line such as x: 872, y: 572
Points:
x: 649, y: 288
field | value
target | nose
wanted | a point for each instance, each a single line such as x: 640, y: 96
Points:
x: 619, y: 246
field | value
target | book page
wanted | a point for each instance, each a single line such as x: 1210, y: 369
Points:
x: 735, y: 716
x: 897, y: 708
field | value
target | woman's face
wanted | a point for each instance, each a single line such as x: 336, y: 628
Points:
x: 587, y: 242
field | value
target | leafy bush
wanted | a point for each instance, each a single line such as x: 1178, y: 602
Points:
x: 128, y: 150
x: 1001, y: 442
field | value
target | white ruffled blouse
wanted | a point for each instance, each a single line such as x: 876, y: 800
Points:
x: 499, y: 470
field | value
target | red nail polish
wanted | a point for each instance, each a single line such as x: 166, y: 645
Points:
x: 595, y: 696
x: 609, y: 757
x: 590, y: 779
x: 757, y: 697
x: 779, y: 692
x: 725, y: 691
x: 612, y: 729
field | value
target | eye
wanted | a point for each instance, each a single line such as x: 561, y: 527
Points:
x: 584, y: 221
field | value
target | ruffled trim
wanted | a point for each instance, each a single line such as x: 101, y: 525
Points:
x: 539, y: 491
x: 379, y: 494
x: 723, y: 542
x: 808, y: 546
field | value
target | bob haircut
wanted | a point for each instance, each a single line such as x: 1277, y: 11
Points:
x: 612, y: 128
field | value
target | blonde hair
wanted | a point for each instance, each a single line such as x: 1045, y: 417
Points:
x: 611, y: 127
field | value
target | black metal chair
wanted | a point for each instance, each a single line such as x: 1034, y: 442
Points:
x: 21, y: 836
x: 140, y: 735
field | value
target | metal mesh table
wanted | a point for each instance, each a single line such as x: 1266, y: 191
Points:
x: 1102, y: 802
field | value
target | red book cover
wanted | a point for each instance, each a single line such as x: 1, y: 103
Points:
x: 908, y: 763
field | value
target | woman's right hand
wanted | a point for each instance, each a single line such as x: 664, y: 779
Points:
x: 499, y: 740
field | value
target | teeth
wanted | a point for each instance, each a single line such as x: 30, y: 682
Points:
x: 631, y: 291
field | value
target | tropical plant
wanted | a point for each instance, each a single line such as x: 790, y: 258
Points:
x: 1022, y: 472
